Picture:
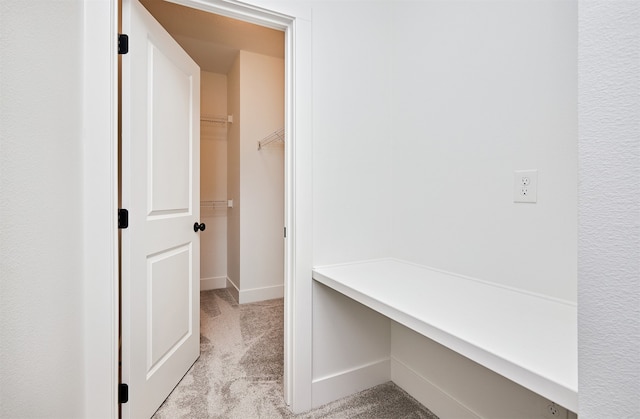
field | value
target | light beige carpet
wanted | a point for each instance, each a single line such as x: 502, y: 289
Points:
x: 239, y: 372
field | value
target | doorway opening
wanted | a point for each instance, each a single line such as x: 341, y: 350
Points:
x: 225, y: 259
x: 241, y: 183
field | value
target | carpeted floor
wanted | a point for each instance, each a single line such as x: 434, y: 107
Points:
x: 239, y: 372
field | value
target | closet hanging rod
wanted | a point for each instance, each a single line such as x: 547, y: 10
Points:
x: 276, y: 136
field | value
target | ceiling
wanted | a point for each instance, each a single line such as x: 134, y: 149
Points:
x: 213, y: 41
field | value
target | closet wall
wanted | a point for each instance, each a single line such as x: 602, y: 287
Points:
x: 242, y: 247
x: 213, y: 181
x: 255, y: 178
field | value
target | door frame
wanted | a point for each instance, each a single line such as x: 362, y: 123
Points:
x: 100, y: 193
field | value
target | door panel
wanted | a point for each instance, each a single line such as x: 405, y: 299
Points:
x: 171, y: 96
x: 161, y: 190
x: 169, y: 320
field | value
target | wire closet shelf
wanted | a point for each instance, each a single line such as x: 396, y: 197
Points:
x: 218, y: 120
x: 213, y: 204
x: 274, y: 137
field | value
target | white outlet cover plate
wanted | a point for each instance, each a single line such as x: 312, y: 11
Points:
x: 525, y: 186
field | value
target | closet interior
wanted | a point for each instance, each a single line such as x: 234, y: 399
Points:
x: 241, y: 185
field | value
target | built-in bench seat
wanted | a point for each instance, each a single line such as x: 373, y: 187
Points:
x: 530, y: 339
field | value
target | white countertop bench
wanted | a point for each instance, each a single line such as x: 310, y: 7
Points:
x: 530, y: 339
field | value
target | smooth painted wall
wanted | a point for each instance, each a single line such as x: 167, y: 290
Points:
x: 481, y: 89
x: 41, y: 244
x: 255, y: 179
x: 213, y: 180
x: 486, y: 93
x: 353, y: 193
x: 261, y: 177
x: 422, y: 114
x: 609, y: 216
x: 353, y: 131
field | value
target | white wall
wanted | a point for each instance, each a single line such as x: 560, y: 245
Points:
x: 352, y: 185
x: 351, y: 346
x: 213, y: 182
x: 609, y: 217
x: 261, y: 178
x: 256, y: 178
x: 233, y: 178
x: 42, y: 283
x: 453, y: 97
x: 353, y: 194
x: 482, y: 89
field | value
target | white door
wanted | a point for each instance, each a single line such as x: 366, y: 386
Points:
x: 161, y: 189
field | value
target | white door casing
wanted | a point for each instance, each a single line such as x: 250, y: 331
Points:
x: 101, y: 79
x: 161, y: 190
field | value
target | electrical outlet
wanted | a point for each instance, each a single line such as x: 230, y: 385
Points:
x: 553, y: 411
x: 525, y: 186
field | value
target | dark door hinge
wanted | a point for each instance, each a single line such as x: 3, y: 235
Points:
x: 123, y: 394
x: 285, y: 232
x: 123, y: 43
x: 123, y: 218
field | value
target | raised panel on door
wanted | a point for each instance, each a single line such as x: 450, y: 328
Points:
x: 169, y: 289
x: 170, y: 108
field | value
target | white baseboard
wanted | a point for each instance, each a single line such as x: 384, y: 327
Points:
x: 213, y: 283
x: 334, y: 387
x: 261, y: 294
x: 233, y: 289
x: 427, y: 393
x: 255, y: 294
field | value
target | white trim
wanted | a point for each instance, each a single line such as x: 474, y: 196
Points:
x: 213, y: 283
x: 345, y: 383
x: 254, y: 294
x: 427, y: 393
x: 261, y: 294
x: 100, y: 162
x: 233, y: 289
x: 299, y: 219
x: 241, y: 11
